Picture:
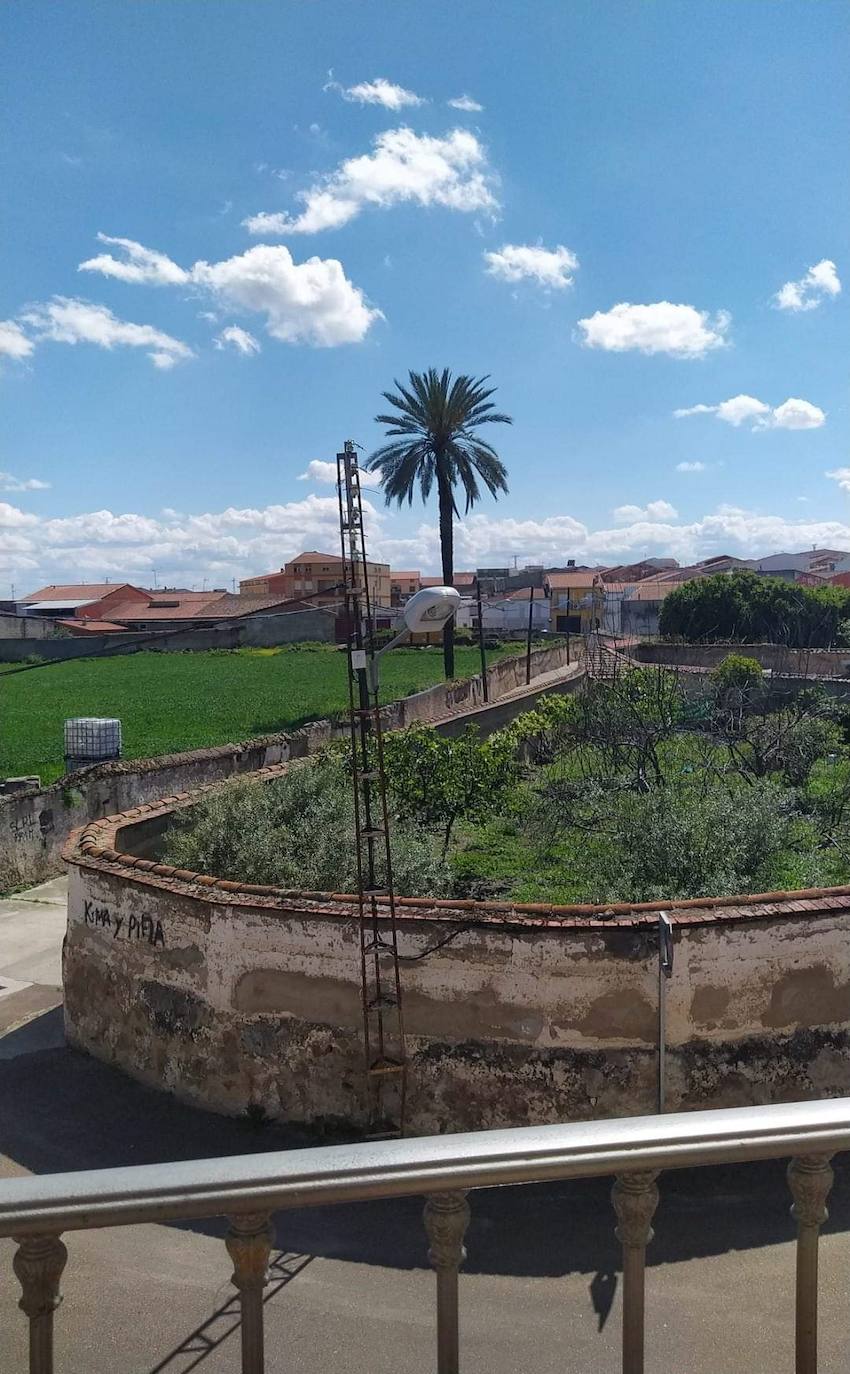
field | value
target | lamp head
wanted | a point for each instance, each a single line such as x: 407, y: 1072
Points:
x: 430, y: 609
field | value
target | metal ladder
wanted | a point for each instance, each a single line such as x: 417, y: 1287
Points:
x: 383, y: 1024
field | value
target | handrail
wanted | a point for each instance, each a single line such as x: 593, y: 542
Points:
x: 33, y: 1206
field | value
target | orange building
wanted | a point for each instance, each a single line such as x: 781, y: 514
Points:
x: 404, y: 585
x: 317, y: 577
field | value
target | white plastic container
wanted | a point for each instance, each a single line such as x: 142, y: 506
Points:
x: 91, y: 739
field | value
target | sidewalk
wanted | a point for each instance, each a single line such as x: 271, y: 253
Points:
x: 32, y: 927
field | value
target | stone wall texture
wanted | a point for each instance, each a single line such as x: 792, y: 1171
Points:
x: 35, y: 825
x: 236, y: 997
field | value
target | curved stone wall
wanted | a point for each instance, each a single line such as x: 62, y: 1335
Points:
x: 235, y: 996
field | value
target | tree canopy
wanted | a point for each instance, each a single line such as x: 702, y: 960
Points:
x: 750, y: 608
x: 434, y: 431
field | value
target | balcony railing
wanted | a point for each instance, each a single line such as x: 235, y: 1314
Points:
x: 247, y: 1189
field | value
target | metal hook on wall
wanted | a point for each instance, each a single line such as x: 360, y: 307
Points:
x: 665, y: 973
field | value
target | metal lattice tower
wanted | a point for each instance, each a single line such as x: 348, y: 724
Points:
x: 383, y: 1026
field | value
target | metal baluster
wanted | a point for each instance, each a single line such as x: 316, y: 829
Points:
x: 635, y: 1198
x: 38, y: 1263
x: 446, y: 1218
x: 810, y: 1179
x: 249, y: 1243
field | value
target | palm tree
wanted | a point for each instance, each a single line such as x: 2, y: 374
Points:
x: 434, y: 438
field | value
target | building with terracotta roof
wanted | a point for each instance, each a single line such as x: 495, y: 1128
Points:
x: 576, y: 599
x: 82, y: 600
x: 317, y: 576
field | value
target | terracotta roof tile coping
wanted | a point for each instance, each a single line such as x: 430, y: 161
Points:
x: 85, y: 845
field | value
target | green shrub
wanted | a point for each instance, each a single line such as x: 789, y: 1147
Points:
x: 436, y: 781
x: 297, y: 832
x: 751, y: 608
x: 737, y: 673
x: 695, y: 843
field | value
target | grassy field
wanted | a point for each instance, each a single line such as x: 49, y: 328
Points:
x: 170, y: 702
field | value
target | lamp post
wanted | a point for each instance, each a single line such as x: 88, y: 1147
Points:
x: 430, y: 609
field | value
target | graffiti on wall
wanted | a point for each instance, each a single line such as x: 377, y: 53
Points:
x: 124, y: 928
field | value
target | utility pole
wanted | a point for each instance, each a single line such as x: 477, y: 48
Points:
x: 530, y: 628
x: 481, y: 639
x: 380, y: 981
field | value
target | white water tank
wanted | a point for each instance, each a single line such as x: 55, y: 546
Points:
x: 92, y: 739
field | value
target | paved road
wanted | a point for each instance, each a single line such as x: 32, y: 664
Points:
x: 32, y: 925
x: 351, y: 1290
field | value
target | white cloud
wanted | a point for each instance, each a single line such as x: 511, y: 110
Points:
x: 653, y: 510
x: 482, y: 539
x: 738, y: 410
x: 308, y: 302
x: 548, y: 267
x: 839, y: 475
x: 9, y: 482
x: 237, y: 542
x: 691, y: 467
x: 324, y: 473
x: 466, y: 104
x: 72, y: 321
x: 140, y: 265
x: 377, y: 92
x: 820, y: 282
x: 452, y: 172
x: 678, y: 330
x: 13, y: 341
x: 734, y: 411
x: 239, y: 339
x: 797, y: 414
x: 183, y: 548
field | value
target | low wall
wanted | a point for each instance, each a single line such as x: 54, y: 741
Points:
x: 236, y: 996
x: 776, y: 657
x: 258, y: 631
x: 27, y: 627
x: 35, y: 825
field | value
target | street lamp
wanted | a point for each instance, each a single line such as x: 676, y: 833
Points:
x: 428, y: 609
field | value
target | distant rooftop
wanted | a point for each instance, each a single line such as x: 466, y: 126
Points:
x: 64, y: 593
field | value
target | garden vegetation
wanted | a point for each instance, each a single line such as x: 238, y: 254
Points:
x: 643, y: 787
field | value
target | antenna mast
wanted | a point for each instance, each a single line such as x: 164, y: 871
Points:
x: 383, y: 1027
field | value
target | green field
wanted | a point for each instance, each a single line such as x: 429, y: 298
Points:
x: 170, y: 702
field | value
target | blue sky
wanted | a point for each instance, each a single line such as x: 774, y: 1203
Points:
x: 607, y: 236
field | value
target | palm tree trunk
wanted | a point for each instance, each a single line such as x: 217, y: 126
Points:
x: 444, y: 490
